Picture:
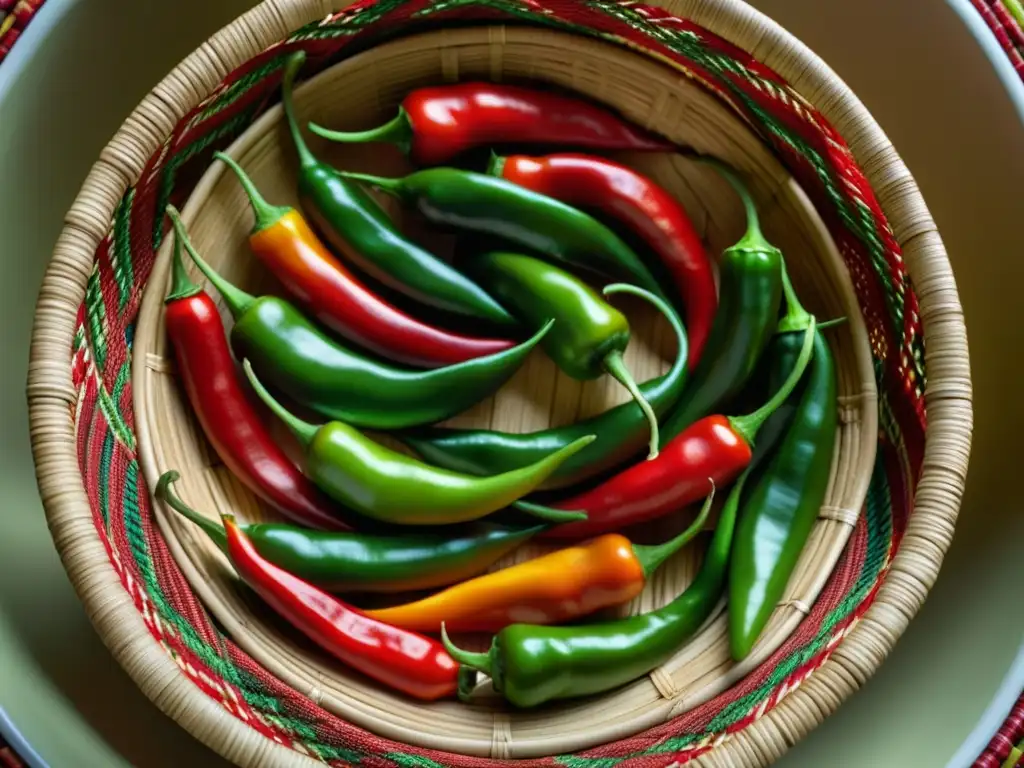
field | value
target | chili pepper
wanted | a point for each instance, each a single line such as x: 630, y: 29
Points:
x: 475, y: 202
x: 750, y: 294
x: 354, y: 224
x: 350, y: 562
x: 620, y: 430
x: 648, y: 210
x: 228, y: 419
x: 387, y: 485
x: 318, y: 372
x: 589, y: 335
x: 436, y: 124
x: 408, y: 662
x: 784, y: 501
x: 717, y: 446
x: 531, y: 664
x: 603, y: 572
x: 284, y: 242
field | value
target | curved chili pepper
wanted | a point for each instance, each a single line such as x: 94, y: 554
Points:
x: 750, y: 295
x: 603, y: 572
x: 350, y: 562
x: 475, y: 202
x: 298, y: 357
x: 387, y: 485
x: 408, y: 662
x: 783, y: 503
x: 283, y: 241
x: 718, y: 447
x: 589, y: 335
x: 436, y: 124
x: 620, y: 429
x: 617, y: 191
x: 353, y: 223
x: 531, y: 664
x: 225, y: 413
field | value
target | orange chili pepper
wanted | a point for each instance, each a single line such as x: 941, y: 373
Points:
x: 555, y: 588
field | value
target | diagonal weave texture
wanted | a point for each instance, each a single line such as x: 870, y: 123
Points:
x: 14, y: 17
x: 1006, y: 20
x: 806, y: 143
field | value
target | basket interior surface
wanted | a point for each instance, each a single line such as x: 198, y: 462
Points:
x: 365, y: 90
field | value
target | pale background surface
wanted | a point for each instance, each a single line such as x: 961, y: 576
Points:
x: 932, y: 90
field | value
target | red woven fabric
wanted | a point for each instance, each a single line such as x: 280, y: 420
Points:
x: 1006, y: 29
x: 1007, y: 737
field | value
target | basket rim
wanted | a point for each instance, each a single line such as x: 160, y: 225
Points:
x: 51, y: 396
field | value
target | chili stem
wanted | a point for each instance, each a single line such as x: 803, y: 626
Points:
x: 496, y: 165
x: 301, y: 429
x: 164, y: 493
x: 266, y: 214
x: 650, y: 558
x: 753, y: 239
x: 833, y: 323
x: 392, y: 187
x: 396, y: 131
x: 481, y: 662
x: 616, y: 366
x: 748, y: 425
x: 683, y: 351
x: 182, y: 286
x: 796, y: 317
x: 548, y: 513
x: 237, y: 300
x: 291, y: 68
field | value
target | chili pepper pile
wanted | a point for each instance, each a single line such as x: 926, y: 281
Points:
x: 382, y: 550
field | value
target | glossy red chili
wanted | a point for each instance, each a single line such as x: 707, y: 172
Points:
x: 406, y: 661
x: 648, y: 210
x: 231, y: 423
x: 436, y: 124
x: 715, y: 447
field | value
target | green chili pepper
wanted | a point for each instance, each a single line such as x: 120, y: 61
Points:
x: 322, y: 374
x: 785, y: 496
x: 589, y: 335
x: 487, y: 205
x: 387, y: 485
x: 352, y: 221
x: 750, y: 294
x: 355, y: 562
x: 532, y: 664
x: 620, y: 429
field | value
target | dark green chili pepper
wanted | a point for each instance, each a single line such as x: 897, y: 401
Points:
x: 750, y: 292
x: 355, y: 562
x: 487, y: 205
x: 589, y: 335
x: 620, y: 430
x: 387, y: 485
x: 532, y: 664
x: 785, y: 498
x: 352, y: 221
x: 320, y: 373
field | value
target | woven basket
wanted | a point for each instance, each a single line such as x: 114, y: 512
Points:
x: 107, y: 417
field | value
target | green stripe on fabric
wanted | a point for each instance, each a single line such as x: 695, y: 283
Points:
x: 124, y: 273
x: 123, y: 377
x: 237, y: 89
x: 106, y: 455
x: 113, y: 417
x: 412, y: 761
x: 95, y: 312
x: 79, y: 340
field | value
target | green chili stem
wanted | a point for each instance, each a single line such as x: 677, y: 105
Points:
x: 833, y: 323
x: 238, y: 301
x: 796, y: 317
x: 651, y: 558
x: 753, y: 239
x: 616, y: 366
x: 392, y: 187
x: 301, y: 429
x: 291, y: 69
x: 496, y: 165
x: 181, y: 284
x: 397, y: 131
x: 481, y: 662
x: 164, y: 493
x: 748, y: 425
x: 266, y: 214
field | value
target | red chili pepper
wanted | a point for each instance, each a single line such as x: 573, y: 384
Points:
x: 406, y: 661
x: 436, y: 124
x: 716, y: 447
x: 646, y: 208
x: 284, y: 241
x: 231, y: 423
